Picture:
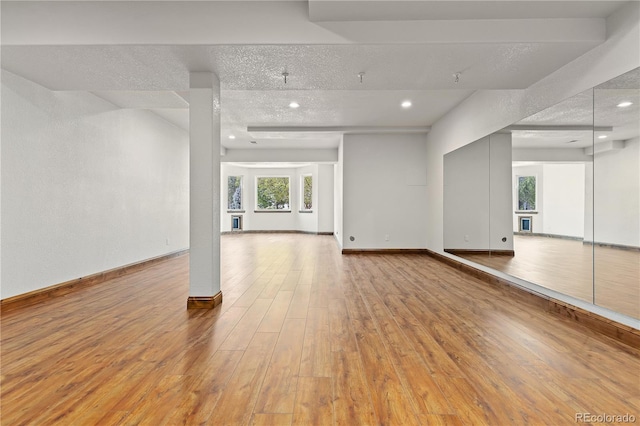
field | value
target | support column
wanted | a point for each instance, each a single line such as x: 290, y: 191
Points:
x: 204, y: 190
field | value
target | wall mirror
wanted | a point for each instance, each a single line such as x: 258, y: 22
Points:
x: 554, y: 199
x: 616, y: 194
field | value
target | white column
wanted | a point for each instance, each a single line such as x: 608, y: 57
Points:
x: 204, y: 190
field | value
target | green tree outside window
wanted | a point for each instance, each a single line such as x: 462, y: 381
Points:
x: 273, y: 193
x: 526, y: 192
x: 234, y: 193
x: 307, y: 189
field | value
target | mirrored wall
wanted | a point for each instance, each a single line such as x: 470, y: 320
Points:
x: 554, y: 199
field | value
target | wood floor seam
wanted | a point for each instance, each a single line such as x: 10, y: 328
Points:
x: 305, y: 335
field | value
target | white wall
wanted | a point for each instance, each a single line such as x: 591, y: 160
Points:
x: 617, y: 195
x: 338, y: 197
x: 86, y: 186
x: 281, y: 221
x: 477, y: 195
x: 563, y: 199
x: 384, y: 178
x: 488, y: 111
x: 466, y: 197
x: 500, y: 195
x: 325, y: 188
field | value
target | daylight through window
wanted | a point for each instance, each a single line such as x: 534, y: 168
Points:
x: 307, y: 192
x: 234, y: 193
x: 526, y: 192
x: 272, y: 193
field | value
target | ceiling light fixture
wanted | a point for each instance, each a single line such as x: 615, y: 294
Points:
x: 361, y: 74
x: 253, y: 142
x: 624, y: 104
x: 602, y: 137
x: 406, y: 104
x: 573, y: 141
x: 285, y: 75
x: 294, y: 105
x: 232, y: 137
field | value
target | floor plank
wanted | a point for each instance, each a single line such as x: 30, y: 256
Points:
x: 314, y: 402
x: 306, y: 336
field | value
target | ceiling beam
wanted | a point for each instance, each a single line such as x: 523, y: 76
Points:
x: 259, y: 22
x: 338, y: 129
x: 556, y: 128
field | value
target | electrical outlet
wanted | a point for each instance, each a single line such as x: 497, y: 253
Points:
x: 466, y: 238
x: 386, y: 237
x: 167, y: 241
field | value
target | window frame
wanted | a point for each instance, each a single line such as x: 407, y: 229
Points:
x: 276, y: 210
x: 535, y: 193
x: 241, y: 209
x: 303, y: 209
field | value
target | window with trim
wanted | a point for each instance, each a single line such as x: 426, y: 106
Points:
x: 306, y: 189
x: 234, y: 193
x: 526, y: 193
x: 272, y: 193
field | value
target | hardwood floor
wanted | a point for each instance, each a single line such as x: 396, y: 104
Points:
x: 307, y: 336
x: 569, y: 266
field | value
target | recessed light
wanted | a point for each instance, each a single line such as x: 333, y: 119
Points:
x: 573, y: 141
x: 294, y: 105
x: 406, y: 104
x: 254, y: 142
x: 602, y: 137
x: 232, y: 137
x: 624, y: 104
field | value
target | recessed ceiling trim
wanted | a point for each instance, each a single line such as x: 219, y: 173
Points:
x: 338, y: 129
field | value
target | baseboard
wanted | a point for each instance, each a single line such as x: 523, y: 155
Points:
x: 275, y: 232
x: 384, y: 251
x: 37, y: 296
x: 204, y: 302
x: 539, y: 234
x: 599, y: 324
x: 462, y: 252
x: 612, y: 246
x: 587, y: 242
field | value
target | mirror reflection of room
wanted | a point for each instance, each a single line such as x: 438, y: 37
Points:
x: 574, y: 198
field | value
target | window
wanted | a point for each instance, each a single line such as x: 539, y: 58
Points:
x: 272, y: 193
x: 234, y: 193
x: 526, y: 193
x: 306, y: 185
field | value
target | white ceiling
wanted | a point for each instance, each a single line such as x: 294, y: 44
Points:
x: 139, y: 54
x: 368, y: 10
x: 596, y: 107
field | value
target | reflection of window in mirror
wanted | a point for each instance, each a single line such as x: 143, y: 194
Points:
x: 526, y: 193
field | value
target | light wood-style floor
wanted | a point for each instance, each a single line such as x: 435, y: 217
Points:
x: 307, y: 336
x: 569, y: 266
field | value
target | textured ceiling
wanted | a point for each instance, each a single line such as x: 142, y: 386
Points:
x: 323, y: 79
x: 139, y: 54
x: 596, y: 107
x: 317, y: 67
